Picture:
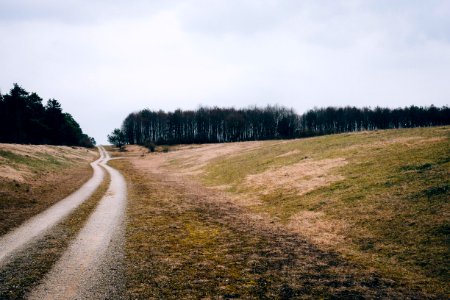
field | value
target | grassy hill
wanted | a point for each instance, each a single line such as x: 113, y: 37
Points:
x: 33, y: 177
x: 379, y: 200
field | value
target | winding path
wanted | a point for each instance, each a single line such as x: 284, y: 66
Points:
x: 91, y: 266
x: 35, y: 227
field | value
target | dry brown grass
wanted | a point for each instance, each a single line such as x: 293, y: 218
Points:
x: 379, y: 198
x: 303, y: 177
x: 188, y: 241
x: 127, y: 151
x: 318, y: 229
x: 32, y: 178
x: 387, y: 209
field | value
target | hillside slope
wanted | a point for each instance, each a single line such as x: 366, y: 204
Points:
x: 34, y: 177
x: 380, y: 199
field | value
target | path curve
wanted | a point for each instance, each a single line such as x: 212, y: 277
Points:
x: 36, y: 226
x: 90, y: 267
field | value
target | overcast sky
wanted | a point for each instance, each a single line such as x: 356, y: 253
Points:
x: 103, y: 59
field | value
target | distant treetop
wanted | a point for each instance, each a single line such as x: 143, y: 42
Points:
x: 215, y: 125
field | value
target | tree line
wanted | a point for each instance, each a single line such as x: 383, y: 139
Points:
x: 215, y: 125
x: 25, y: 120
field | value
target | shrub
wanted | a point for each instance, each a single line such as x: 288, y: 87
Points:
x: 150, y: 146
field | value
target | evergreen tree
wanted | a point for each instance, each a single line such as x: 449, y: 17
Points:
x: 117, y: 138
x: 23, y: 119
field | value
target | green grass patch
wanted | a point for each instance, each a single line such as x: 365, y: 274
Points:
x: 34, y: 163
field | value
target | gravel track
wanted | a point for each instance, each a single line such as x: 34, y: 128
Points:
x: 36, y: 226
x: 91, y: 268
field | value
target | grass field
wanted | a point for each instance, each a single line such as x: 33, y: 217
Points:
x: 367, y: 214
x: 187, y: 242
x: 383, y: 197
x: 33, y: 178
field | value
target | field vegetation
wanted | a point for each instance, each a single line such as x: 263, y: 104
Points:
x: 32, y: 178
x: 184, y: 241
x: 380, y: 198
x: 354, y: 215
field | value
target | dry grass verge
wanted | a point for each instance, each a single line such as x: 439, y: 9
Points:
x: 32, y: 178
x: 31, y: 264
x: 187, y: 241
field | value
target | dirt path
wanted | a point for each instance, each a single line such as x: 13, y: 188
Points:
x: 91, y: 266
x: 15, y: 240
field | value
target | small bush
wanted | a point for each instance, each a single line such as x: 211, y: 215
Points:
x: 150, y: 146
x: 417, y: 168
x: 437, y: 190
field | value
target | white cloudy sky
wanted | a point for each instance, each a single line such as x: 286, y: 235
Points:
x: 103, y: 59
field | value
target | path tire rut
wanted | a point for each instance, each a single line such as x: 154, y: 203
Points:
x: 92, y: 266
x: 12, y: 242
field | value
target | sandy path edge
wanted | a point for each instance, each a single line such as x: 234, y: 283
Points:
x: 36, y: 226
x: 91, y: 266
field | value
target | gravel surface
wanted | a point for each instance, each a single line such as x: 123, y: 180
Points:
x: 91, y: 268
x: 35, y: 227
